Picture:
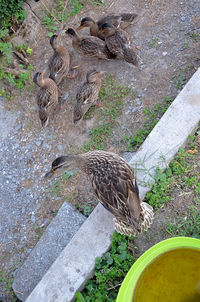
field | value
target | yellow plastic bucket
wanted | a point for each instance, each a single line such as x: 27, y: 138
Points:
x: 167, y: 272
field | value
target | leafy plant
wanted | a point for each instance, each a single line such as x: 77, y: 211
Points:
x: 85, y: 209
x: 11, y: 12
x: 153, y: 42
x: 110, y: 271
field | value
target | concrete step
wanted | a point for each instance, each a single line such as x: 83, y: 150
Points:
x: 75, y: 264
x: 55, y: 238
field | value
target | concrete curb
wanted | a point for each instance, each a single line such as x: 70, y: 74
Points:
x: 55, y: 238
x: 76, y: 263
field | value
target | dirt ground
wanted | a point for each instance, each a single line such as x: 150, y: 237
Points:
x: 163, y: 37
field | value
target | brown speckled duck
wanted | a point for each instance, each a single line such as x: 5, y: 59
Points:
x: 47, y: 97
x: 117, y: 20
x: 87, y: 94
x: 114, y: 183
x: 89, y: 46
x: 119, y: 43
x: 59, y: 63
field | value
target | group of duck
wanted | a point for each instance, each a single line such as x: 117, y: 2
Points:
x: 107, y: 40
x: 112, y: 178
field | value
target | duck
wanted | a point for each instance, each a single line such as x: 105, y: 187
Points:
x: 117, y: 20
x: 119, y: 43
x: 114, y: 183
x: 87, y: 94
x: 59, y: 63
x: 47, y: 97
x: 89, y: 46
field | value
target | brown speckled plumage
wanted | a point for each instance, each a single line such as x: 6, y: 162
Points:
x: 87, y: 95
x: 114, y: 183
x: 119, y: 43
x: 89, y: 46
x: 117, y: 20
x: 47, y: 97
x: 59, y: 63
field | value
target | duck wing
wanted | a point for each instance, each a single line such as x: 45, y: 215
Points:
x: 118, y: 193
x: 84, y: 94
x: 93, y: 47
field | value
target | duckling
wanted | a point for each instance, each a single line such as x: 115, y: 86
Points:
x: 89, y: 46
x: 119, y: 43
x: 47, y: 97
x: 117, y: 20
x: 87, y: 94
x: 59, y: 63
x: 114, y: 183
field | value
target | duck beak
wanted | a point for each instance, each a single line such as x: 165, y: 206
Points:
x: 50, y: 174
x: 80, y: 27
x: 43, y: 72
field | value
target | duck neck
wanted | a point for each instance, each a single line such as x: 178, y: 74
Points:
x: 93, y: 29
x: 76, y: 38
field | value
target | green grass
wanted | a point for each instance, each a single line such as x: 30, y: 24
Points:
x: 182, y: 174
x: 195, y: 36
x: 187, y: 225
x: 61, y: 13
x: 110, y: 271
x: 153, y: 42
x: 112, y: 95
x: 151, y: 118
x: 7, y: 282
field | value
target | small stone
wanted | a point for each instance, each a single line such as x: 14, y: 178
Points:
x: 182, y: 18
x: 66, y: 96
x: 38, y: 143
x: 18, y: 127
x: 164, y: 53
x: 33, y: 219
x: 59, y: 147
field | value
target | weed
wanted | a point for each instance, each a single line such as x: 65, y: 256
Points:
x: 153, y: 42
x: 186, y: 45
x: 11, y: 12
x: 7, y: 282
x: 195, y: 36
x: 112, y: 94
x: 55, y: 189
x: 181, y: 174
x: 6, y: 48
x: 61, y: 13
x: 180, y: 78
x: 85, y: 209
x: 110, y: 271
x: 151, y: 119
x: 68, y: 174
x: 187, y: 225
x: 24, y: 47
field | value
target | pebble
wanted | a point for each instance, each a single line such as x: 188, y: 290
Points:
x: 183, y: 18
x: 38, y: 143
x: 59, y: 147
x: 33, y: 219
x: 18, y: 127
